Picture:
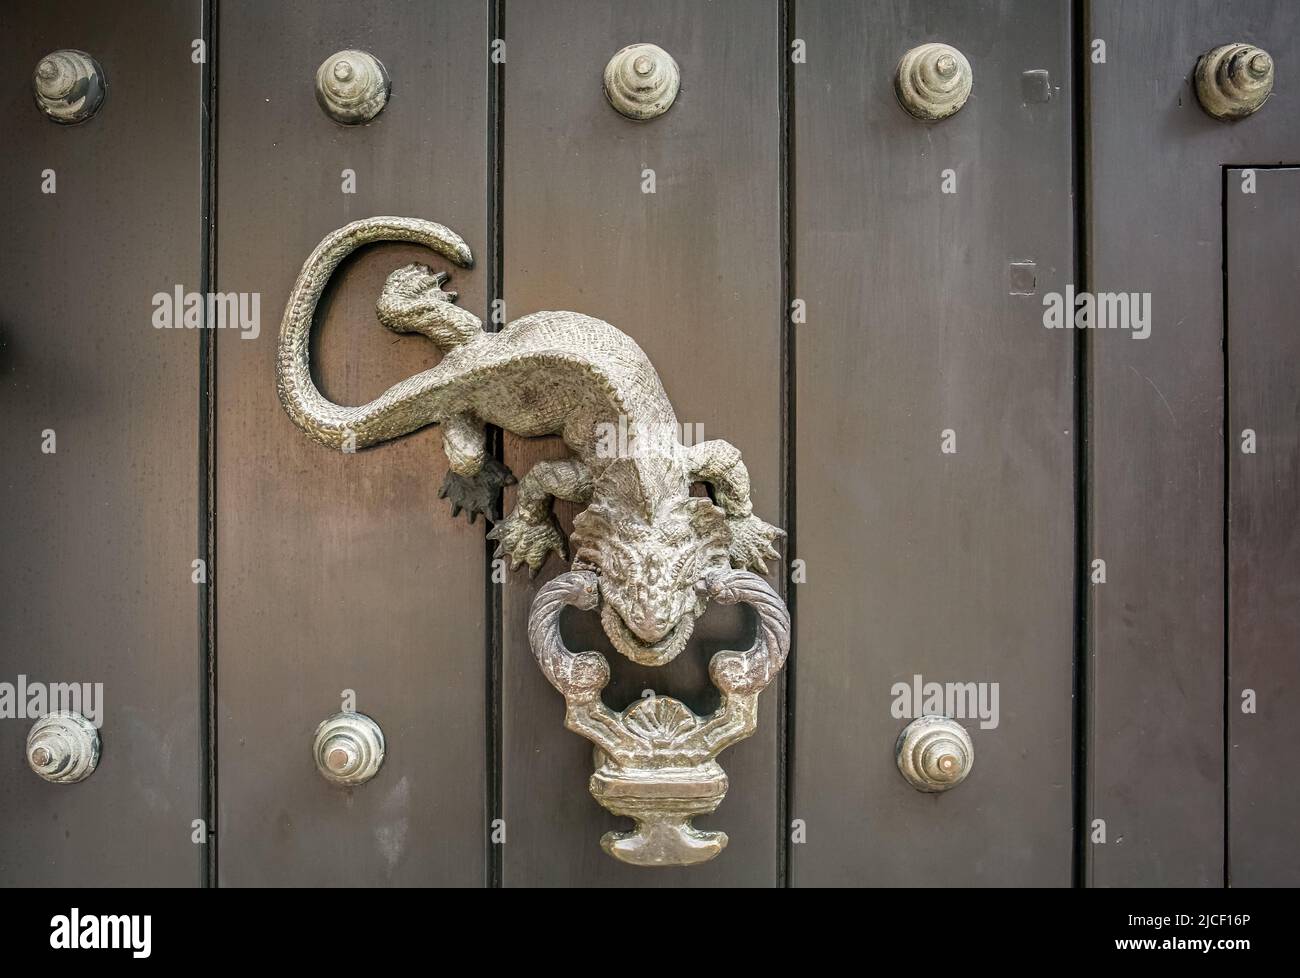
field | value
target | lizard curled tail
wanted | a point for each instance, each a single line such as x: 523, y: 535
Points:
x: 405, y: 406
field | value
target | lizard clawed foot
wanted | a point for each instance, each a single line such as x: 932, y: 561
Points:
x: 416, y: 281
x: 527, y: 542
x: 434, y: 290
x: 477, y: 493
x: 752, y: 543
x: 413, y: 299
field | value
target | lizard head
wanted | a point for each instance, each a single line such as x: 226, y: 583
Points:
x: 648, y: 555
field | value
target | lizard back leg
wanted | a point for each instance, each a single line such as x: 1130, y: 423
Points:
x: 475, y: 479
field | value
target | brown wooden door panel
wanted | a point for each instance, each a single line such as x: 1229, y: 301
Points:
x: 1263, y: 694
x: 920, y: 256
x: 692, y: 273
x: 99, y: 536
x: 954, y: 567
x: 1155, y: 743
x: 345, y: 571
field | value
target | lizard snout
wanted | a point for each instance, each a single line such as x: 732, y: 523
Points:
x: 648, y: 623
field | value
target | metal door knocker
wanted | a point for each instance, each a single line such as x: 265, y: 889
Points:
x: 655, y: 760
x: 645, y: 551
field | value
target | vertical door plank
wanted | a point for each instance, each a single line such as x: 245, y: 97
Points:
x: 952, y: 567
x: 345, y: 571
x: 692, y: 273
x: 99, y: 536
x: 1155, y: 748
x: 1264, y: 537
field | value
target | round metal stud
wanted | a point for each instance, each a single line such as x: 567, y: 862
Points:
x: 933, y: 81
x: 641, y: 81
x: 352, y: 87
x: 349, y: 748
x: 69, y: 86
x: 934, y: 753
x: 1233, y: 80
x: 63, y: 747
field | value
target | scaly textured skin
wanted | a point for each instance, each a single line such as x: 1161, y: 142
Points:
x: 561, y: 373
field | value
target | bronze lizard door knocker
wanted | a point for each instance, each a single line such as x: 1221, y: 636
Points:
x: 645, y: 551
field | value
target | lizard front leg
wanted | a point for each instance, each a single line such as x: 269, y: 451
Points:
x: 475, y: 478
x: 531, y: 531
x: 413, y: 301
x: 718, y: 463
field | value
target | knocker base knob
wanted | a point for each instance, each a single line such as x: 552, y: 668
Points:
x: 662, y: 802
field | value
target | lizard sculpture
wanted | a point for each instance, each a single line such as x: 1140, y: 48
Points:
x: 643, y: 534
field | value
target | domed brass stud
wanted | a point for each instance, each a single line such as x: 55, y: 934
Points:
x: 63, y: 747
x: 352, y: 87
x: 934, y: 753
x: 933, y: 81
x: 69, y: 86
x: 641, y: 81
x: 1233, y: 80
x: 348, y: 748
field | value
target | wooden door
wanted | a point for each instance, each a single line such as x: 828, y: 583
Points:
x: 342, y: 580
x: 1262, y: 699
x: 1158, y: 631
x: 933, y: 443
x: 1081, y: 541
x: 691, y: 271
x: 101, y: 504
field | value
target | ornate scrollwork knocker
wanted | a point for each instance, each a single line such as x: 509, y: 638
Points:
x: 655, y: 761
x: 646, y: 551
